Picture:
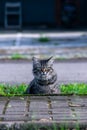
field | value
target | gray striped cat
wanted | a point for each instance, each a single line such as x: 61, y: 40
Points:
x: 45, y: 78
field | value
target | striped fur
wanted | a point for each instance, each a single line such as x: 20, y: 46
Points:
x: 45, y: 78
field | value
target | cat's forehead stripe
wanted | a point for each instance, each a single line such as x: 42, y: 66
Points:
x: 43, y: 62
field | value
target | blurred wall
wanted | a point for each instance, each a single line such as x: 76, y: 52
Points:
x: 38, y: 11
x: 42, y: 11
x: 2, y: 8
x: 83, y: 12
x: 33, y: 11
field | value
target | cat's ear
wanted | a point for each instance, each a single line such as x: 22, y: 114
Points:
x: 35, y: 60
x: 50, y: 61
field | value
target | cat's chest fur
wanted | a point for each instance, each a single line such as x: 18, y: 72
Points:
x: 39, y: 88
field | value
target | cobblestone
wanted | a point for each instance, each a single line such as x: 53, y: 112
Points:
x: 53, y: 110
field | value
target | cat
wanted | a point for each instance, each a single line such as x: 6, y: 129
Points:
x: 45, y: 78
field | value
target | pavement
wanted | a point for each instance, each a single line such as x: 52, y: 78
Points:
x: 17, y: 72
x: 43, y: 112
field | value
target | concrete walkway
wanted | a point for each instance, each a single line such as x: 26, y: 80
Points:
x: 15, y: 72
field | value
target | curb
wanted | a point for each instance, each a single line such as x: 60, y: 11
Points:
x: 43, y: 52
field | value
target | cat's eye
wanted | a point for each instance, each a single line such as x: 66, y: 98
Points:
x: 39, y: 69
x: 50, y: 69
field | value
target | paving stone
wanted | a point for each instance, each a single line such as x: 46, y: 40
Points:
x: 1, y: 109
x: 39, y: 116
x: 38, y: 105
x: 45, y: 110
x: 18, y: 103
x: 59, y: 104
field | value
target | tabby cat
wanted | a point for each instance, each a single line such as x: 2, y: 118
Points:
x: 45, y: 78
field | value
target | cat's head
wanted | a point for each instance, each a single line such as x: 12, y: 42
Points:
x: 43, y: 68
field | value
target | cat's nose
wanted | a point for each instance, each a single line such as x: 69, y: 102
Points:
x: 43, y: 73
x: 43, y: 70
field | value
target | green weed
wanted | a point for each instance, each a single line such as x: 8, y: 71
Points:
x: 43, y: 39
x: 17, y: 56
x: 12, y: 90
x: 74, y: 88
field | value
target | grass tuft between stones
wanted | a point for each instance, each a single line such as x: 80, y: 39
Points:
x: 14, y: 90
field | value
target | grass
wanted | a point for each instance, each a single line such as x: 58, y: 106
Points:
x: 13, y: 90
x: 17, y: 56
x: 75, y: 88
x: 43, y: 39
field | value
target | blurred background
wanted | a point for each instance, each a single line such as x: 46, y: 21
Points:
x: 25, y: 14
x: 43, y: 28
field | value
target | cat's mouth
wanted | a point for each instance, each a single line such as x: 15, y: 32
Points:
x: 43, y: 82
x: 43, y: 78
